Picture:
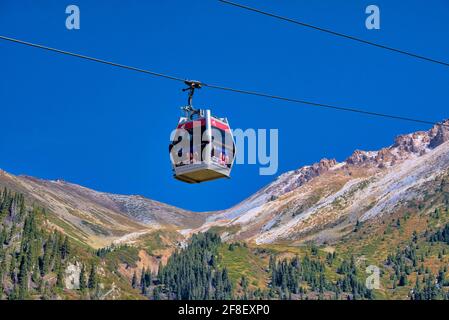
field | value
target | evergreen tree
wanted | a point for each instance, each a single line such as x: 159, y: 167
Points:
x: 82, y: 279
x: 12, y: 269
x: 93, y: 281
x: 23, y: 278
x: 148, y: 278
x: 403, y: 280
x: 143, y: 285
x: 134, y: 280
x: 156, y: 294
x: 60, y: 277
x: 65, y: 249
x: 193, y: 274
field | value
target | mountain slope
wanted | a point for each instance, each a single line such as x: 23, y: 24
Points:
x: 324, y: 201
x: 98, y: 218
x: 311, y: 234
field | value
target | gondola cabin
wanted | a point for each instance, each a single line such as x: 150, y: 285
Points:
x: 202, y: 147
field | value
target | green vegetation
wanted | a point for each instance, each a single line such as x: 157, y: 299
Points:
x: 193, y: 273
x: 242, y: 261
x: 410, y: 247
x: 441, y: 235
x: 295, y: 278
x: 32, y: 259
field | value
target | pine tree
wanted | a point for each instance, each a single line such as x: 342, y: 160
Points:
x: 3, y: 236
x: 134, y: 280
x: 156, y: 294
x: 148, y: 277
x: 403, y: 280
x: 60, y: 277
x: 14, y: 295
x: 143, y: 286
x: 82, y: 278
x: 46, y: 260
x: 65, y: 249
x: 93, y: 281
x: 23, y: 278
x: 12, y: 269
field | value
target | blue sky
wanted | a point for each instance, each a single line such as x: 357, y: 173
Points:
x: 108, y: 129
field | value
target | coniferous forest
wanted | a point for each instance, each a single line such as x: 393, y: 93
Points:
x: 36, y: 258
x: 32, y: 259
x: 193, y: 273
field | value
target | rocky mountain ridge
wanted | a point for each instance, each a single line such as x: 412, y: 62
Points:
x: 325, y: 194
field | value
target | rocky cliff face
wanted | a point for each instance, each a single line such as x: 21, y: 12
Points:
x: 404, y: 147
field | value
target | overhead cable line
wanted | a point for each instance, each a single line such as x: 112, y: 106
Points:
x: 322, y: 105
x: 77, y: 55
x: 339, y: 34
x: 212, y: 86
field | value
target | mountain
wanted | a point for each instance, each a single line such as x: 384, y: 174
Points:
x: 319, y: 202
x: 98, y: 218
x: 322, y: 202
x: 311, y: 234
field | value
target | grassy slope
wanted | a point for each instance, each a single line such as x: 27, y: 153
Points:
x: 242, y: 261
x: 371, y: 244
